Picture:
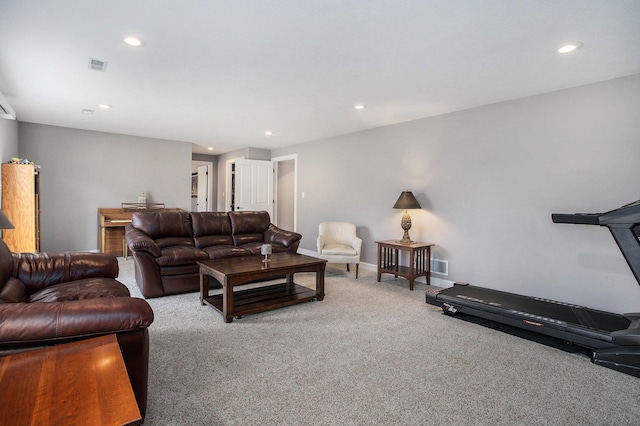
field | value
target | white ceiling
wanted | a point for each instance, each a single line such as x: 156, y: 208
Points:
x: 221, y: 73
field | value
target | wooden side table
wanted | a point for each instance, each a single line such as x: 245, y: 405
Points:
x: 419, y: 260
x: 79, y: 383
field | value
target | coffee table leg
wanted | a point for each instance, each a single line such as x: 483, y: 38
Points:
x: 227, y: 301
x: 320, y: 282
x: 204, y: 287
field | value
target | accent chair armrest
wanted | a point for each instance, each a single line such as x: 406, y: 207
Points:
x: 356, y: 243
x: 320, y: 243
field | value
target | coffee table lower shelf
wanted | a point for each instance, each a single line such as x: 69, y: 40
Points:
x: 262, y: 299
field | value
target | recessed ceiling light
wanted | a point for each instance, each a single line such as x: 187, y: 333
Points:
x: 133, y: 41
x: 268, y: 133
x: 359, y: 106
x: 210, y: 148
x: 569, y: 47
x: 105, y: 106
x: 87, y: 111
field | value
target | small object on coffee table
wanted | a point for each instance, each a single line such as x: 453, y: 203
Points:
x: 266, y: 250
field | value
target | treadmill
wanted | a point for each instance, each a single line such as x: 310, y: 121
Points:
x: 612, y: 340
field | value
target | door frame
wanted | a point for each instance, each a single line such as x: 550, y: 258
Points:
x: 227, y: 182
x: 194, y: 165
x: 276, y: 161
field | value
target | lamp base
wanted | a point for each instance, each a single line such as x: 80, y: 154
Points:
x: 406, y: 225
x: 407, y: 242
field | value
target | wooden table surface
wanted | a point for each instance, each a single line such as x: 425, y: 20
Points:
x: 79, y: 383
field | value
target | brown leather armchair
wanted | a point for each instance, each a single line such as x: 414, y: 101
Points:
x: 48, y: 299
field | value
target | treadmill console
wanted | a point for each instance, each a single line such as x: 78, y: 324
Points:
x: 623, y: 223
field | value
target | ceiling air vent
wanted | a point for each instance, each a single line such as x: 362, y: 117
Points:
x: 97, y: 64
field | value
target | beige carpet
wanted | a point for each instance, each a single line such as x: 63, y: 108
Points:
x: 369, y: 354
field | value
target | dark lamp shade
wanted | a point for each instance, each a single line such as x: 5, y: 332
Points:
x: 406, y: 201
x: 5, y: 223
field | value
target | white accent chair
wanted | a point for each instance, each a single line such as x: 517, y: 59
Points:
x: 338, y: 243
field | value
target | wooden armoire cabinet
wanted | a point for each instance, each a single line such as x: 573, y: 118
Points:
x: 21, y: 204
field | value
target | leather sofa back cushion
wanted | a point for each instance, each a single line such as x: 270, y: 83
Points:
x: 211, y: 229
x: 243, y: 239
x: 13, y: 291
x: 249, y: 222
x: 163, y: 224
x: 39, y: 270
x: 90, y: 288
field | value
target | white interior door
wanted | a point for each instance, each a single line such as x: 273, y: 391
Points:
x: 203, y: 189
x: 254, y: 185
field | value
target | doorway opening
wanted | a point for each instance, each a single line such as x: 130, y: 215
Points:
x: 201, y: 186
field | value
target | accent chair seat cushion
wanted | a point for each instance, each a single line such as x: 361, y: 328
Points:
x: 338, y: 250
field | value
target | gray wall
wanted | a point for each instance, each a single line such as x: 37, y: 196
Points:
x: 84, y: 170
x: 8, y: 139
x: 8, y: 142
x: 285, y: 193
x: 488, y: 180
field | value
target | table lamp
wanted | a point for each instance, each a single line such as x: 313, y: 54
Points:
x: 5, y: 223
x: 406, y: 201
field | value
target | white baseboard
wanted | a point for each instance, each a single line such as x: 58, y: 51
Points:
x: 371, y: 267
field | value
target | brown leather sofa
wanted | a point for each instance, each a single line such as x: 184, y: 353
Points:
x: 52, y: 298
x: 166, y: 246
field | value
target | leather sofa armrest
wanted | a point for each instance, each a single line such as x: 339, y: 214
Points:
x: 45, y: 269
x: 320, y: 243
x: 139, y: 241
x: 275, y: 235
x: 28, y: 323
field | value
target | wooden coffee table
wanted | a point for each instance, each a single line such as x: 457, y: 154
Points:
x: 243, y: 270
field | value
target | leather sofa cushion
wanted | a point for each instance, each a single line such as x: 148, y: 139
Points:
x: 89, y: 288
x: 163, y: 224
x: 213, y: 240
x: 13, y: 291
x: 173, y: 241
x: 211, y: 229
x: 255, y: 248
x: 179, y: 270
x: 222, y: 251
x: 180, y: 255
